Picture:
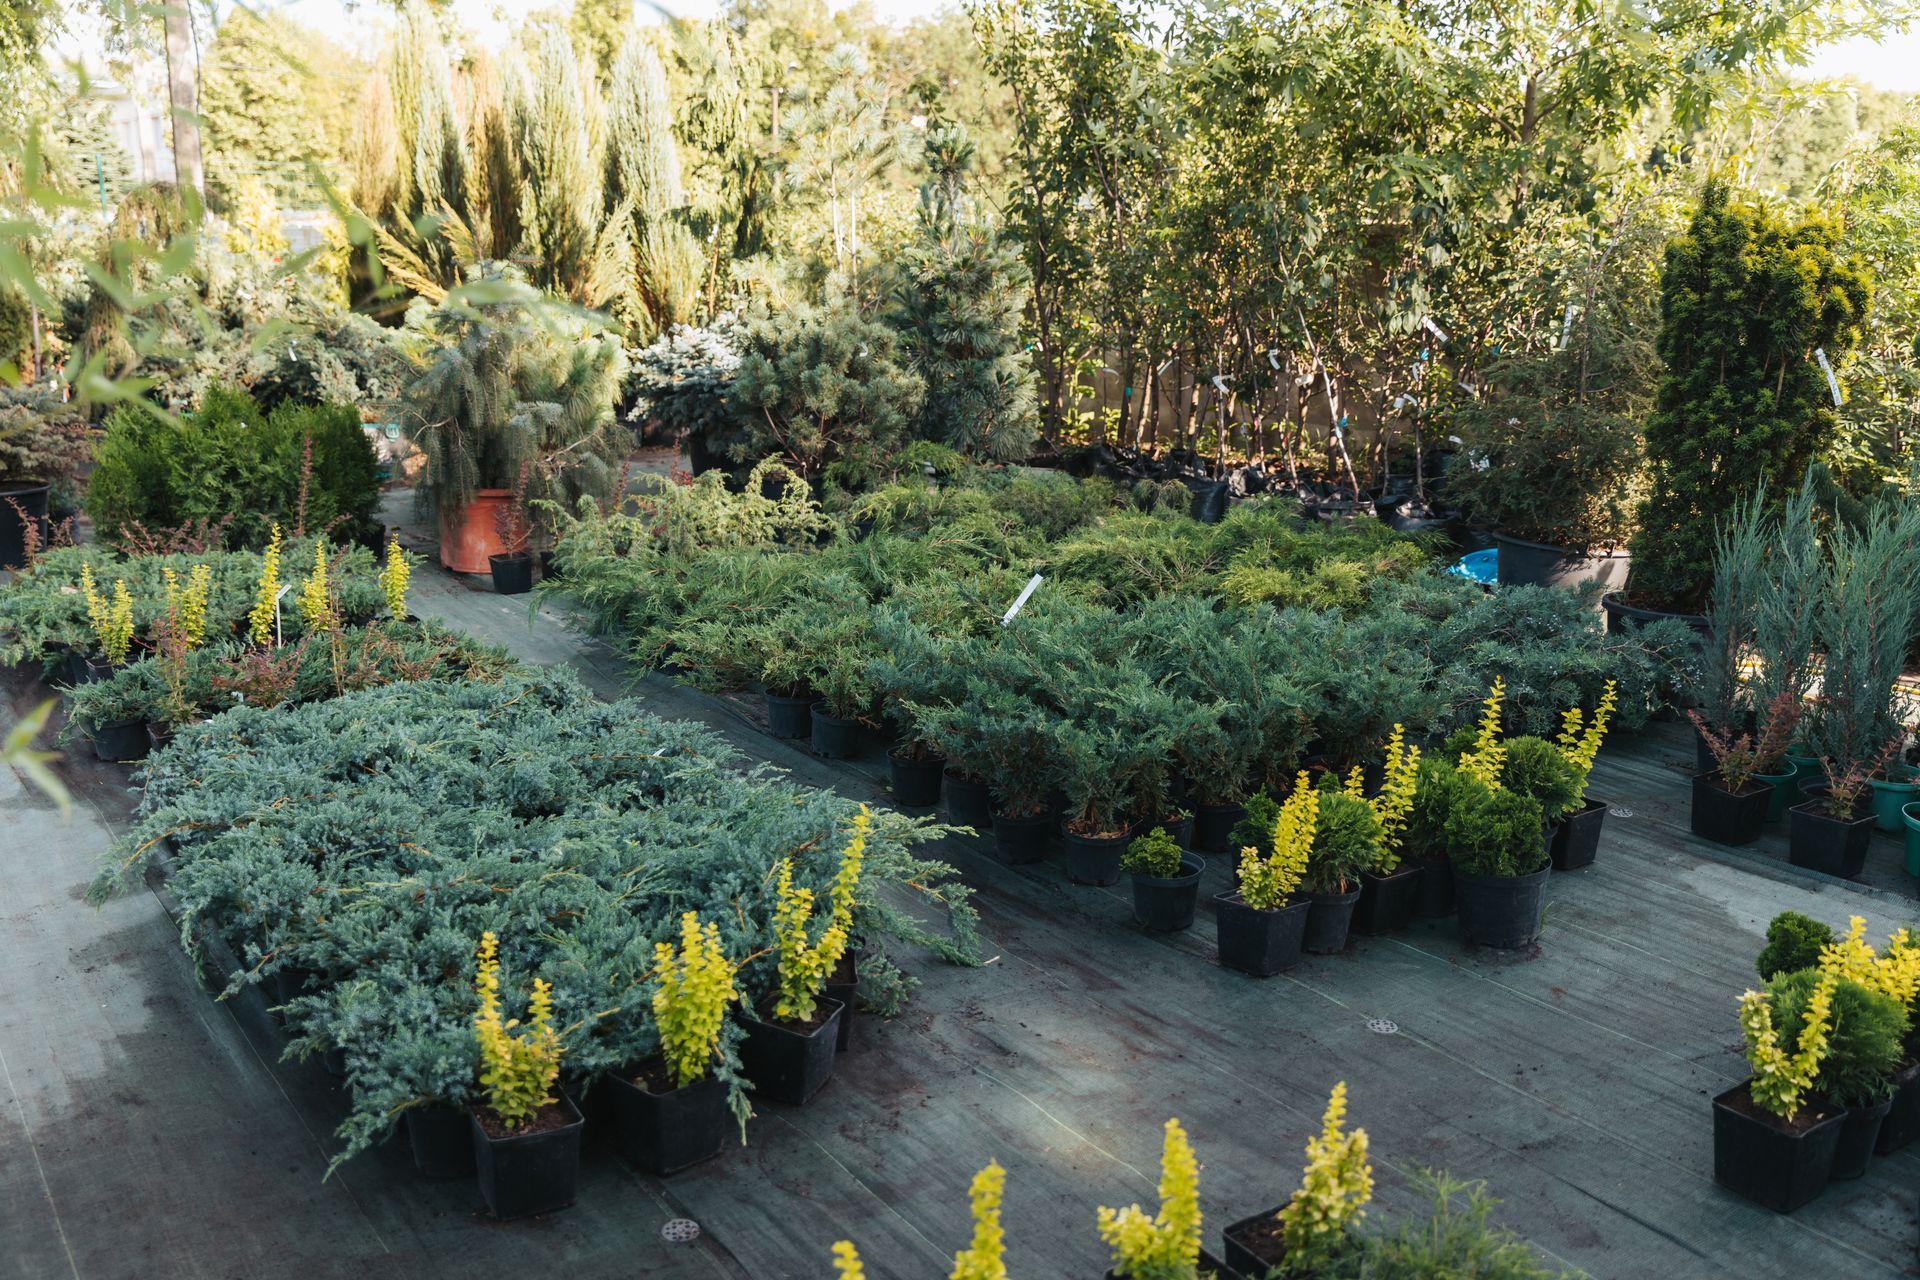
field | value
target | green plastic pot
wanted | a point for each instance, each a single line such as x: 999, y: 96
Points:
x: 1786, y: 792
x: 1805, y: 767
x: 1910, y: 814
x: 1890, y: 798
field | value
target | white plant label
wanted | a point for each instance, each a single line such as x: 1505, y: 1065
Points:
x: 1566, y: 328
x: 1439, y: 334
x: 1220, y: 385
x: 1833, y: 383
x: 1033, y: 585
x: 278, y: 637
x: 1273, y: 358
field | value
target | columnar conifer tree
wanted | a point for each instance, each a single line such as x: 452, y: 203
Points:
x: 643, y: 177
x: 558, y: 130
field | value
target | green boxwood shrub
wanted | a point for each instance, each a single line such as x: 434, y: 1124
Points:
x: 1794, y: 942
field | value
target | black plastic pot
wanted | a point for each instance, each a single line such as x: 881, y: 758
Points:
x: 1252, y: 1246
x: 1858, y: 1135
x: 1836, y: 846
x: 1725, y: 817
x: 1776, y: 1166
x: 968, y: 802
x: 1179, y: 830
x: 1526, y: 563
x: 1577, y: 842
x: 1092, y: 859
x: 1386, y: 902
x: 1165, y: 904
x: 1435, y: 899
x: 1020, y: 841
x: 512, y: 575
x: 159, y: 736
x: 1213, y: 825
x: 834, y: 737
x: 83, y: 669
x: 1261, y: 943
x: 1330, y: 921
x: 1902, y: 1124
x: 1209, y: 1267
x: 789, y: 716
x: 442, y: 1141
x: 32, y: 499
x: 663, y: 1133
x: 844, y: 985
x: 790, y: 1064
x: 121, y: 741
x: 524, y: 1174
x: 916, y: 783
x: 1623, y: 617
x: 1501, y: 911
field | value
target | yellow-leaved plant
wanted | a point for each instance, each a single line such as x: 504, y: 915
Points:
x: 260, y: 617
x: 1486, y: 759
x: 1267, y: 882
x: 112, y: 620
x: 690, y: 1002
x: 316, y: 599
x: 1580, y: 738
x: 1334, y: 1186
x: 1165, y: 1246
x: 187, y: 606
x: 846, y: 1261
x: 393, y: 580
x: 805, y: 965
x: 1395, y: 799
x: 985, y: 1258
x: 1895, y: 974
x: 1781, y: 1079
x: 517, y: 1072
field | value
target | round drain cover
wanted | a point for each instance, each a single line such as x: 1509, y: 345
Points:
x: 681, y: 1231
x: 1621, y: 812
x: 1382, y: 1026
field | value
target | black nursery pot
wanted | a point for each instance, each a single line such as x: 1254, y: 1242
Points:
x: 1577, y: 842
x: 789, y: 716
x: 1386, y: 902
x: 121, y: 741
x: 1092, y: 859
x: 1836, y: 846
x: 663, y: 1133
x: 834, y: 737
x: 1020, y: 841
x: 1165, y: 904
x: 1261, y: 943
x: 1330, y: 921
x: 512, y: 575
x: 1902, y: 1124
x: 1253, y: 1246
x: 1858, y: 1136
x: 844, y: 985
x: 916, y: 783
x: 158, y: 735
x: 968, y: 802
x: 528, y: 1173
x: 1213, y: 825
x: 787, y: 1063
x: 1435, y: 898
x: 1501, y: 911
x: 1209, y: 1266
x: 442, y: 1141
x: 1725, y: 817
x: 1775, y: 1165
x: 32, y: 499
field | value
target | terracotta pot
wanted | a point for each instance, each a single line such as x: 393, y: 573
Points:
x: 467, y: 540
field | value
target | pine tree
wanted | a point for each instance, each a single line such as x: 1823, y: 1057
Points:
x: 959, y: 302
x: 643, y: 177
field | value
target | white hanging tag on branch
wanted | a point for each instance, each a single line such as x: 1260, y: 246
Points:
x: 1439, y: 334
x: 1220, y: 385
x: 278, y: 637
x: 1033, y: 585
x: 1273, y: 358
x: 1833, y: 383
x: 1566, y: 328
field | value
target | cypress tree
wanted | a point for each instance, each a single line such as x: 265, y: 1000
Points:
x: 557, y: 128
x: 643, y: 179
x: 1746, y: 298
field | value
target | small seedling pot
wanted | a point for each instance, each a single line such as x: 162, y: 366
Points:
x: 527, y: 1173
x: 442, y: 1141
x: 1261, y: 943
x: 1092, y: 860
x: 1166, y: 904
x: 665, y: 1132
x: 1213, y: 825
x: 1386, y: 902
x: 1728, y: 817
x: 834, y: 737
x: 1020, y: 841
x: 789, y: 715
x: 1501, y: 911
x: 969, y: 804
x: 916, y: 783
x: 1330, y: 921
x: 121, y: 741
x: 1777, y: 1164
x: 512, y: 574
x: 789, y: 1063
x: 1577, y: 841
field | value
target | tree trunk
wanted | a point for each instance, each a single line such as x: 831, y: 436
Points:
x: 184, y: 99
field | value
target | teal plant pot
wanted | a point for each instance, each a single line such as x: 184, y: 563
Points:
x: 1889, y: 798
x: 1910, y: 814
x: 1805, y: 768
x: 1786, y: 792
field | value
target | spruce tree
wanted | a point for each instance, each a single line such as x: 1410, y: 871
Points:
x: 959, y: 302
x: 1746, y: 298
x: 643, y: 179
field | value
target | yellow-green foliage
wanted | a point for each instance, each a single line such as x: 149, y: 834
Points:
x: 846, y: 1261
x: 985, y: 1258
x: 112, y: 621
x: 805, y: 965
x: 1487, y: 758
x: 1335, y: 1184
x: 1896, y: 974
x: 1267, y: 882
x: 690, y: 1002
x: 260, y: 618
x: 393, y: 579
x: 1167, y: 1245
x: 1781, y: 1080
x: 1395, y: 800
x: 1580, y: 739
x: 316, y: 603
x: 517, y: 1072
x: 187, y: 606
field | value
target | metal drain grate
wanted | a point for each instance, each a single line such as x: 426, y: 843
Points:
x: 1621, y: 811
x: 1383, y: 1026
x: 680, y: 1231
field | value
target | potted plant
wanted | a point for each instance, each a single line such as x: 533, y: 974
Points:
x: 1576, y: 842
x: 526, y: 1134
x: 1495, y: 838
x: 789, y: 1056
x: 1390, y: 888
x: 1166, y: 881
x: 1786, y: 631
x: 1263, y: 922
x: 783, y: 655
x: 512, y: 565
x: 1347, y: 841
x: 45, y: 443
x: 671, y: 1110
x: 1772, y: 1142
x: 1866, y: 1048
x: 1016, y: 759
x: 1830, y: 832
x: 1316, y: 1227
x: 1112, y: 769
x: 1164, y: 1245
x: 1731, y: 802
x: 984, y: 1258
x: 120, y: 735
x: 843, y: 711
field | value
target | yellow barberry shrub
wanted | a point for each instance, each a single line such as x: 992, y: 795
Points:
x: 985, y: 1258
x: 1781, y: 1079
x: 805, y: 964
x: 1334, y: 1186
x: 846, y: 1261
x: 1165, y: 1246
x: 316, y: 601
x: 1267, y: 882
x: 1579, y: 739
x: 1486, y: 759
x: 1395, y: 800
x: 260, y: 617
x: 517, y: 1072
x: 393, y: 580
x: 690, y: 1002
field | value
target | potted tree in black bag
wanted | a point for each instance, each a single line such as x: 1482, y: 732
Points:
x: 526, y: 1134
x: 671, y: 1110
x: 1166, y: 881
x: 1262, y: 923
